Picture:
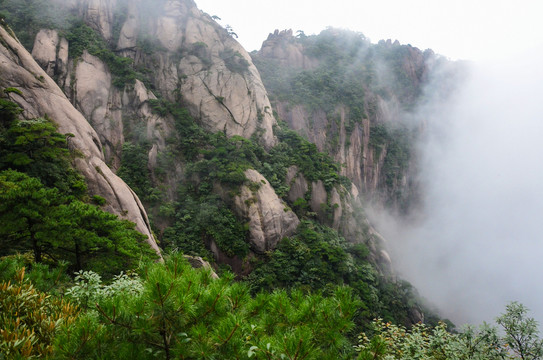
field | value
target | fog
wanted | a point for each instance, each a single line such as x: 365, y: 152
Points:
x: 478, y: 243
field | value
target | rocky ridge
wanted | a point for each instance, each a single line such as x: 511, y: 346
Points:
x: 195, y: 62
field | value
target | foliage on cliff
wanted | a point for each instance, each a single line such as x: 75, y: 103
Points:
x: 173, y: 311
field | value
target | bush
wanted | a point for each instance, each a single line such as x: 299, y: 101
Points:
x: 81, y: 37
x: 234, y: 61
x: 30, y: 319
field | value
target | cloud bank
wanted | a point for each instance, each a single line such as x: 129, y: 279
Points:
x: 478, y: 243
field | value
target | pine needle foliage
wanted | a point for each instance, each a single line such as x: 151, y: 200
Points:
x: 187, y: 313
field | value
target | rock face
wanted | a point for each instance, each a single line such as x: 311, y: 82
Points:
x: 45, y: 50
x: 195, y: 62
x: 41, y: 96
x: 193, y: 57
x: 218, y: 80
x: 198, y: 64
x: 269, y: 217
x: 298, y: 184
x: 282, y: 46
x: 363, y: 164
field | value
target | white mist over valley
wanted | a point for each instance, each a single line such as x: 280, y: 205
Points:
x: 479, y: 240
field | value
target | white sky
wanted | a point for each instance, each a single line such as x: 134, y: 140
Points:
x: 458, y: 29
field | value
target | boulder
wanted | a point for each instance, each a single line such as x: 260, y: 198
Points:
x: 269, y: 217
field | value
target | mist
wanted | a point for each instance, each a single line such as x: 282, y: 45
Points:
x: 478, y: 243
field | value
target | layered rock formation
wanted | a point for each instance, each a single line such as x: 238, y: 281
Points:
x: 196, y: 63
x: 193, y: 60
x: 283, y: 47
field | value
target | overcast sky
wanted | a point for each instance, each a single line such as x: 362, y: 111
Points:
x: 458, y: 29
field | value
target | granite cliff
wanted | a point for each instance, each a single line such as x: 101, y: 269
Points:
x: 41, y: 96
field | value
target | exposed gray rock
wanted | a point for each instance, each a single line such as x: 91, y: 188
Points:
x: 298, y: 184
x: 319, y: 198
x: 45, y: 50
x: 281, y: 46
x: 215, y: 75
x: 269, y: 217
x: 99, y: 102
x: 99, y: 15
x: 336, y: 203
x: 129, y: 32
x: 41, y: 96
x: 197, y: 262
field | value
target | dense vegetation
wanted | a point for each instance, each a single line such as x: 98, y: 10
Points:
x: 197, y: 216
x: 174, y: 311
x: 27, y: 17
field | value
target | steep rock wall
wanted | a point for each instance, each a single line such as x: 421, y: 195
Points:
x: 41, y: 96
x: 194, y: 60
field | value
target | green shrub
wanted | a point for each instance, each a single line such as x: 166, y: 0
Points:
x: 81, y: 37
x: 30, y: 319
x: 234, y: 61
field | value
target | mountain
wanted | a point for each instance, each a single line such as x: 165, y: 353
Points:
x: 358, y: 102
x: 161, y: 96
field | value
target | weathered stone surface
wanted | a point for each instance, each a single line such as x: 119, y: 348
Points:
x: 61, y: 70
x: 221, y: 97
x: 269, y: 217
x: 216, y: 76
x: 197, y: 262
x: 44, y: 50
x: 297, y: 182
x: 41, y: 96
x: 319, y: 198
x: 353, y: 150
x: 336, y: 204
x: 281, y: 46
x: 129, y: 32
x: 99, y: 15
x: 99, y: 102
